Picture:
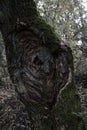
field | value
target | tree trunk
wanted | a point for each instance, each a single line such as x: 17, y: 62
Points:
x: 40, y: 66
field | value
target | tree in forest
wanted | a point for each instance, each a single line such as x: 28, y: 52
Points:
x: 40, y: 66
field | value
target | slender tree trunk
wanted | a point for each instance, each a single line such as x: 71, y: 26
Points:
x: 40, y: 66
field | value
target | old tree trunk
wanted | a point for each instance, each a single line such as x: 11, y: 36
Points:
x: 40, y: 67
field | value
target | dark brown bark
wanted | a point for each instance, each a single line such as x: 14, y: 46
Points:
x: 39, y: 65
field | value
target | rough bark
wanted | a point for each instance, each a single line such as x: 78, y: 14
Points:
x: 40, y: 66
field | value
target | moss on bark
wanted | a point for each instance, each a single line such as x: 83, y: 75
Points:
x: 50, y: 37
x: 68, y: 105
x: 62, y: 113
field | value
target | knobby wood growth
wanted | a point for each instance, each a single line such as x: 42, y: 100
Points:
x: 40, y: 66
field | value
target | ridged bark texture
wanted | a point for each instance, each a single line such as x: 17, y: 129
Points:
x: 40, y: 66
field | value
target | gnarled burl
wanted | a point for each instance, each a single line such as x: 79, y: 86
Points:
x: 39, y: 63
